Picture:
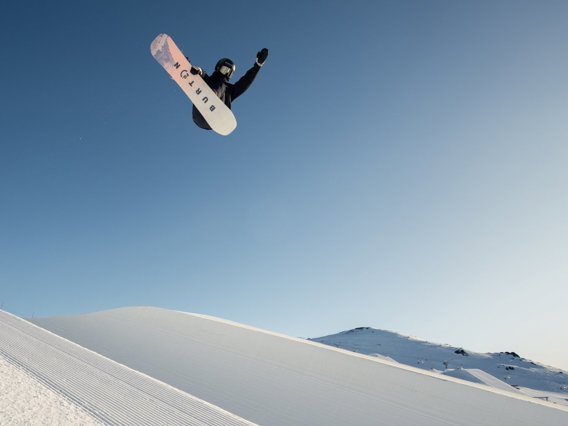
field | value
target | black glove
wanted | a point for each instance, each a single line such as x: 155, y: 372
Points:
x: 196, y: 70
x: 261, y: 57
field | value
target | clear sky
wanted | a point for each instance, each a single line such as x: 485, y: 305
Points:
x: 397, y: 164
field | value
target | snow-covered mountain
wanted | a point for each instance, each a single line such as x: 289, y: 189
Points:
x: 273, y: 379
x: 508, y: 367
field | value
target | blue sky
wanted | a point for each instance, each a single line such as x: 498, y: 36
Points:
x: 397, y: 164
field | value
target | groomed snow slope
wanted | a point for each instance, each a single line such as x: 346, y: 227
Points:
x: 24, y: 400
x: 107, y: 391
x: 275, y: 380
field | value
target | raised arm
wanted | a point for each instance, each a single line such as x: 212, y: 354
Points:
x: 246, y: 80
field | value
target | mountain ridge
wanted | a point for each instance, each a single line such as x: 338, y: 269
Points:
x: 507, y: 366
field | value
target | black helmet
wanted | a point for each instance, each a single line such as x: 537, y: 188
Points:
x: 226, y: 67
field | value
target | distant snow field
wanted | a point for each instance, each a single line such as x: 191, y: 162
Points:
x: 24, y: 400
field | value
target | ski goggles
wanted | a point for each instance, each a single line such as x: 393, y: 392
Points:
x: 227, y: 70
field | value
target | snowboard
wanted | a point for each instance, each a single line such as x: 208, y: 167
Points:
x: 219, y: 117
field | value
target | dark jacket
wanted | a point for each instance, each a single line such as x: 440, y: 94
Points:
x: 226, y: 91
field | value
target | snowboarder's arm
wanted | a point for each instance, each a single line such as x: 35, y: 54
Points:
x: 246, y: 80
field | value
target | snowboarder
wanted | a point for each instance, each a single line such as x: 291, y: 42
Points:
x: 219, y: 82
